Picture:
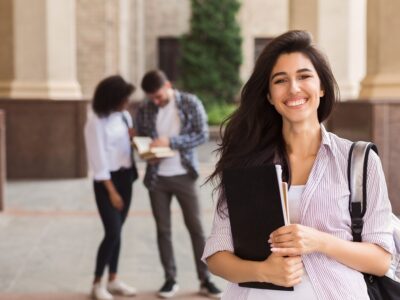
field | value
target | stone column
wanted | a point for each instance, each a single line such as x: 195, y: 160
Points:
x: 44, y: 50
x: 304, y: 15
x: 6, y: 47
x: 137, y: 38
x: 383, y: 51
x: 2, y: 158
x: 124, y: 26
x: 345, y: 45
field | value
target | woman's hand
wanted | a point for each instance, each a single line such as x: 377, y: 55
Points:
x: 115, y: 197
x: 296, y: 239
x: 132, y: 132
x: 116, y: 200
x: 280, y: 270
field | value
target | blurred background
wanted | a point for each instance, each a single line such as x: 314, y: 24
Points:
x: 54, y: 52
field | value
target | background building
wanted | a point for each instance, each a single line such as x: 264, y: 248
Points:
x: 61, y: 49
x: 52, y: 54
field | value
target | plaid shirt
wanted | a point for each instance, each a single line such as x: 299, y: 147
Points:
x: 193, y: 132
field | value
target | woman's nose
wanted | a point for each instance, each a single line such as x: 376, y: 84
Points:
x: 294, y: 86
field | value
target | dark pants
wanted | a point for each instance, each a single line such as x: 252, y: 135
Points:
x: 112, y: 219
x: 184, y: 188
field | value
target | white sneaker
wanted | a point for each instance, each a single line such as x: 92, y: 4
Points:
x: 117, y: 287
x: 99, y: 292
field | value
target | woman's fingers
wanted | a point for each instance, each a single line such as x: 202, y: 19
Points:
x: 281, y: 238
x: 287, y: 251
x: 295, y: 277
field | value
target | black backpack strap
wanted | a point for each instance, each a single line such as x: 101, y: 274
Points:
x: 357, y: 180
x: 125, y: 120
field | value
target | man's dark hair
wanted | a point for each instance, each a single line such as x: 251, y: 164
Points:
x: 110, y: 94
x: 153, y: 81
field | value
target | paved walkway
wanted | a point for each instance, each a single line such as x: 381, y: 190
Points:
x: 50, y: 231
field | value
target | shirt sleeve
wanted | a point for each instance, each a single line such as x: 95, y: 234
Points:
x: 378, y: 227
x: 199, y: 129
x: 96, y: 149
x: 221, y: 235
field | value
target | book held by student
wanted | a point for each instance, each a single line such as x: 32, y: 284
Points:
x: 257, y: 206
x: 142, y: 145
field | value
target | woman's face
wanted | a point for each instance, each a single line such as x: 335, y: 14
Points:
x: 295, y: 88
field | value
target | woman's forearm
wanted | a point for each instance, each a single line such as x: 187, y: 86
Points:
x: 364, y: 257
x: 276, y: 269
x: 230, y: 267
x: 110, y: 187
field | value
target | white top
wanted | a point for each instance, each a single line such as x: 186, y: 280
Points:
x: 294, y: 195
x: 304, y: 290
x: 108, y: 145
x: 168, y: 124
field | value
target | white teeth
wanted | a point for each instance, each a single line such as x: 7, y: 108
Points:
x: 296, y: 102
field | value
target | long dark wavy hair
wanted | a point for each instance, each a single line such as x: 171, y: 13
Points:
x: 253, y: 133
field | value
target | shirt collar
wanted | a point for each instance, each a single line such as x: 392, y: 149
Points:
x: 325, y: 138
x: 178, y: 97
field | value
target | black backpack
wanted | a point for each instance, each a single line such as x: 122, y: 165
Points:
x: 379, y: 288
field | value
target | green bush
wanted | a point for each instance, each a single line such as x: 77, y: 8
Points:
x: 219, y: 112
x: 211, y: 52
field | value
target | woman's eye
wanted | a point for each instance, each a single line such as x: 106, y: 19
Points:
x: 279, y: 81
x: 304, y: 76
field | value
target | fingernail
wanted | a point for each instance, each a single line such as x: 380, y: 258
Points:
x: 270, y: 240
x: 273, y: 249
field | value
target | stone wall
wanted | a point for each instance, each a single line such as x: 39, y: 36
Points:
x: 163, y: 19
x: 44, y: 138
x: 97, y: 42
x: 378, y: 122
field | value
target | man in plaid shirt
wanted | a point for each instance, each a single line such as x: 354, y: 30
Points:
x: 177, y: 120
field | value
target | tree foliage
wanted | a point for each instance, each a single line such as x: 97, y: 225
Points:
x: 211, y: 51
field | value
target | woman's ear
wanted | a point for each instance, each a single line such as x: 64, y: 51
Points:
x: 269, y: 99
x: 322, y: 93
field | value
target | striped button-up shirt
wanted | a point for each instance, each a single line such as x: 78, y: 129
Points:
x: 193, y: 132
x: 325, y: 206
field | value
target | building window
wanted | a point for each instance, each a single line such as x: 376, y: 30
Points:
x: 169, y: 55
x: 259, y: 45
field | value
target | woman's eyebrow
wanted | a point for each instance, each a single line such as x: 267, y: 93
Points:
x: 304, y: 70
x: 277, y: 74
x: 284, y: 73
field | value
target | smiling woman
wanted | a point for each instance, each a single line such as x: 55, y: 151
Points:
x: 290, y: 93
x: 295, y: 89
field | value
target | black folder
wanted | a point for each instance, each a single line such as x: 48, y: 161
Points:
x: 255, y: 210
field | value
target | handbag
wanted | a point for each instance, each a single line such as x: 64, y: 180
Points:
x: 379, y: 288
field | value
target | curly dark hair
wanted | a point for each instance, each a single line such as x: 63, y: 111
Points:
x: 253, y: 133
x: 110, y: 94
